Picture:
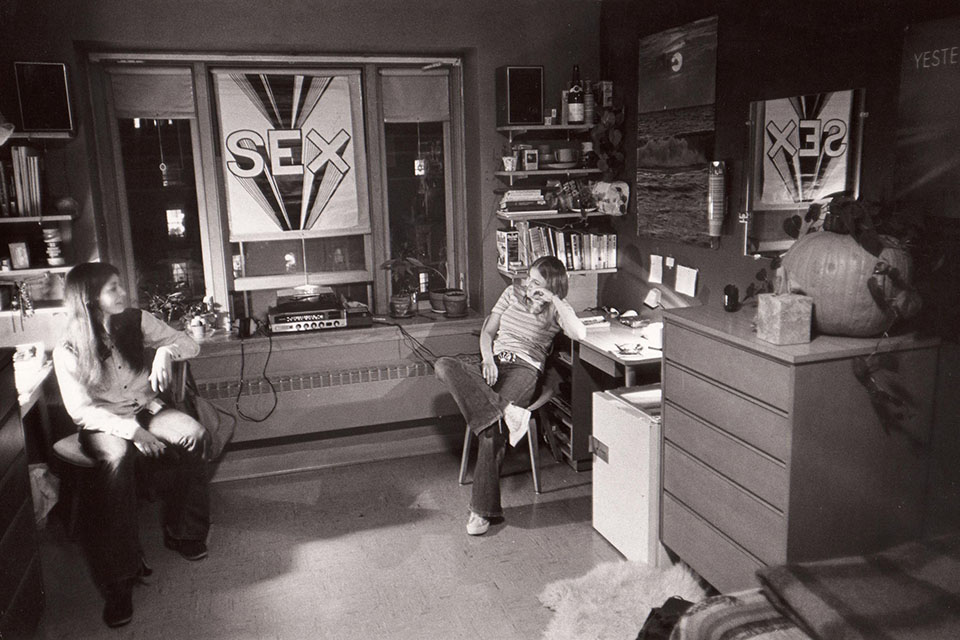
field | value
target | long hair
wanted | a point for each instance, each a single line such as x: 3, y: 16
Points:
x: 86, y: 335
x: 554, y: 273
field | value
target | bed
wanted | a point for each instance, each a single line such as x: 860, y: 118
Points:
x: 908, y: 592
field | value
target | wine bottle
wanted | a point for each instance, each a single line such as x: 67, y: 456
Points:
x: 575, y: 98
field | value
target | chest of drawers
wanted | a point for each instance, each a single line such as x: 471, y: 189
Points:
x: 21, y: 593
x: 776, y: 454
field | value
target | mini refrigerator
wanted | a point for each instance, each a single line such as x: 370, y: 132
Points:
x: 626, y: 470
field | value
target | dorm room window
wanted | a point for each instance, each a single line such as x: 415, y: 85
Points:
x: 237, y: 181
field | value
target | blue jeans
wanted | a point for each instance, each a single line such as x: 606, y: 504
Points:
x: 482, y: 407
x: 109, y: 531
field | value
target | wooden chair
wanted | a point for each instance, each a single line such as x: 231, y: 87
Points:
x: 533, y: 438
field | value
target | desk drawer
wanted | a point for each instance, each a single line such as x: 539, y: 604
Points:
x: 746, y: 466
x: 753, y: 524
x: 9, y: 400
x: 739, y: 415
x: 596, y: 359
x: 765, y: 379
x: 711, y: 554
x: 18, y: 548
x: 14, y: 489
x: 11, y: 438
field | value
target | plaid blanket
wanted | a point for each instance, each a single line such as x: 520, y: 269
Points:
x: 908, y: 592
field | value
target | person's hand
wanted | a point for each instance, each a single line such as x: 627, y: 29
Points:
x: 490, y: 371
x: 541, y: 294
x: 162, y: 372
x: 147, y: 443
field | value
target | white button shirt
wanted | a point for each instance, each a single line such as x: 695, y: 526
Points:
x: 112, y: 408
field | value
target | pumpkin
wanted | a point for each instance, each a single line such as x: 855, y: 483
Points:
x: 834, y: 270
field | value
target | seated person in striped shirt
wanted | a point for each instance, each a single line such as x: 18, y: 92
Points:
x: 514, y: 342
x: 109, y: 387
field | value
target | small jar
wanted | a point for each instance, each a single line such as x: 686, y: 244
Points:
x: 588, y: 157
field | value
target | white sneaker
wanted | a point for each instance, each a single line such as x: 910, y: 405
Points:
x: 518, y: 422
x: 477, y: 525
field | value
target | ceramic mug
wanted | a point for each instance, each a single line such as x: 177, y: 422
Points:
x: 509, y: 163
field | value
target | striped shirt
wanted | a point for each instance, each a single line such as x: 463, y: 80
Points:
x: 527, y: 334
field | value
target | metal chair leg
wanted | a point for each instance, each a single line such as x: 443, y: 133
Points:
x: 533, y: 442
x: 465, y: 456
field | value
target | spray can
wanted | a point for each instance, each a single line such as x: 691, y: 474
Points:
x: 716, y: 197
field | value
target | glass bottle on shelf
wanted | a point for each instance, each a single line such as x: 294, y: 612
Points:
x: 589, y: 103
x: 575, y: 98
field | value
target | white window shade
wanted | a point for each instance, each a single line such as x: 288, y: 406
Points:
x: 152, y: 93
x: 410, y: 95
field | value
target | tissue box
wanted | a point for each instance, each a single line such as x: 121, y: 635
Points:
x: 784, y: 318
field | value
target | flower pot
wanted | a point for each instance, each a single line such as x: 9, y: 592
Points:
x: 401, y: 306
x: 436, y: 300
x: 455, y: 303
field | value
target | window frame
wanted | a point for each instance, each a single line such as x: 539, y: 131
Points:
x: 114, y: 224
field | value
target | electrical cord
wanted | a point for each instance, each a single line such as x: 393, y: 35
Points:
x: 263, y: 376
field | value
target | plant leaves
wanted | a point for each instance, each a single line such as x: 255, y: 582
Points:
x: 615, y: 137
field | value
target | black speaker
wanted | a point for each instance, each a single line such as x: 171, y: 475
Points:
x: 519, y: 95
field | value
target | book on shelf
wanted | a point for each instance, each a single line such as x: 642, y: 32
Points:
x: 22, y: 196
x: 508, y: 249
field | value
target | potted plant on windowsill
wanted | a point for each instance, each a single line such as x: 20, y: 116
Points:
x: 406, y: 279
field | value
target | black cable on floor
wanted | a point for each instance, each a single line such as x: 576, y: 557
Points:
x: 263, y: 376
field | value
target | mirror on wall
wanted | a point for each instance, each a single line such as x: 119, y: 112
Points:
x: 802, y: 149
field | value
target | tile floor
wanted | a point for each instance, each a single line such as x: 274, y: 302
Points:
x: 374, y: 550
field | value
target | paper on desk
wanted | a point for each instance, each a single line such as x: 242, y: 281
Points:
x: 686, y: 280
x: 656, y: 269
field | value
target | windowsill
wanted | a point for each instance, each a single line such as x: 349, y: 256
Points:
x: 422, y: 325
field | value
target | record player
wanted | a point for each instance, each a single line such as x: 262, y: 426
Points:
x: 306, y: 308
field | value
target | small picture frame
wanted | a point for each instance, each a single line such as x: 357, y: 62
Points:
x: 19, y: 255
x: 531, y: 159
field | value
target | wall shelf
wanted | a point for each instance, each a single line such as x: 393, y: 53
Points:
x: 511, y: 273
x: 20, y: 274
x: 519, y: 216
x: 37, y: 219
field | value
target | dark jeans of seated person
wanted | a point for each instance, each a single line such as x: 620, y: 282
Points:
x: 482, y: 407
x: 109, y: 528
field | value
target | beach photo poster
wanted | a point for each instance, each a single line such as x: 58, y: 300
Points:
x: 675, y: 131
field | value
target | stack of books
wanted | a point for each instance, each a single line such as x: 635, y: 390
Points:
x: 525, y: 201
x: 20, y: 183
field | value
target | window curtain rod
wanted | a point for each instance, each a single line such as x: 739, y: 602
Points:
x: 140, y: 58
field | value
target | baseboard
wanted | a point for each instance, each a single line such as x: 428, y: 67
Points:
x: 403, y: 441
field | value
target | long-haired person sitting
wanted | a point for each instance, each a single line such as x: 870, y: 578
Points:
x: 110, y: 388
x: 514, y: 343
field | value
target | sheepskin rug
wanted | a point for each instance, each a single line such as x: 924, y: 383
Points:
x: 614, y: 599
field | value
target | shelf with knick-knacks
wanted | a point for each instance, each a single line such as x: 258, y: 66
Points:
x: 35, y: 245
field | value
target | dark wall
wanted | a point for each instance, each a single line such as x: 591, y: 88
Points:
x: 487, y: 33
x: 766, y: 49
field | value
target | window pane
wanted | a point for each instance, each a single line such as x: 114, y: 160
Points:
x: 270, y: 258
x: 277, y: 257
x: 343, y: 253
x: 416, y: 196
x: 162, y: 200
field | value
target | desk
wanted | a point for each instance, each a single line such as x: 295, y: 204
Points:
x: 597, y: 365
x: 599, y: 349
